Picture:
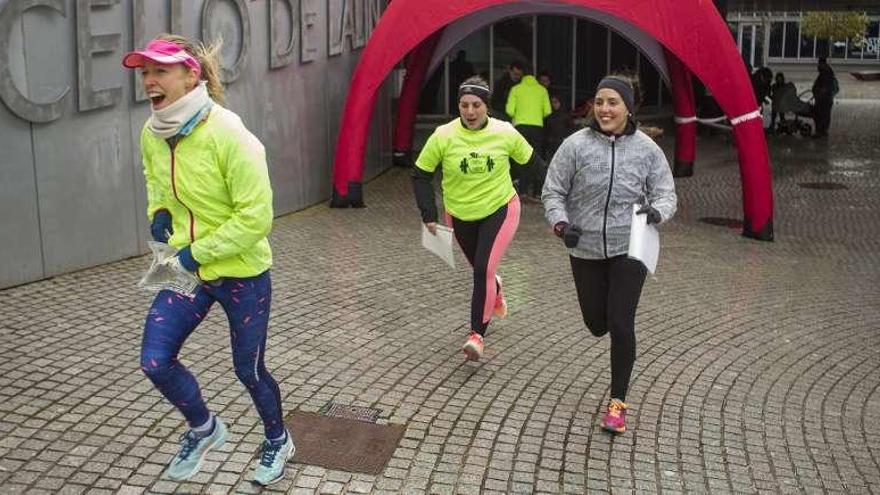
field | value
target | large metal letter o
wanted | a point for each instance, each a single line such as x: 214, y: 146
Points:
x: 231, y: 74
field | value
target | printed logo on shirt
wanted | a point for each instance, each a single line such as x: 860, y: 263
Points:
x: 474, y: 163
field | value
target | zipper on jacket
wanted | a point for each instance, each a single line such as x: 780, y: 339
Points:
x: 192, y: 220
x: 608, y: 201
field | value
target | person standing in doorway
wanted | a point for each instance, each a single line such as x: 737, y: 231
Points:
x: 595, y: 178
x: 557, y: 126
x: 475, y: 153
x: 528, y: 104
x: 511, y: 77
x: 208, y: 195
x: 545, y: 79
x: 460, y: 68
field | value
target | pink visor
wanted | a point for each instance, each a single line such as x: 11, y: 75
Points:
x: 161, y: 52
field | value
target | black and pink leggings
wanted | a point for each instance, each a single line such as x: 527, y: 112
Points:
x: 483, y: 243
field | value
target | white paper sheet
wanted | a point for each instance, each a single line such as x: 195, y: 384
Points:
x: 644, y: 241
x: 440, y: 243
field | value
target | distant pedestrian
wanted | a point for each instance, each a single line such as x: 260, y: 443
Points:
x: 776, y: 92
x: 557, y: 126
x: 474, y: 153
x: 528, y: 104
x: 460, y: 68
x: 511, y: 77
x: 208, y: 195
x: 825, y: 87
x: 545, y: 79
x: 595, y: 178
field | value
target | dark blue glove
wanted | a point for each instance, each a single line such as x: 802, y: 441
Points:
x: 653, y: 214
x: 186, y: 259
x: 161, y: 228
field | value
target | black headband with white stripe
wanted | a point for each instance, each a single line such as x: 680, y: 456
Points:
x: 478, y: 90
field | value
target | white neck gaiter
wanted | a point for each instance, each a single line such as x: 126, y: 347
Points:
x: 167, y: 122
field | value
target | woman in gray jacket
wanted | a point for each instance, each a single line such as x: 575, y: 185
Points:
x: 595, y: 178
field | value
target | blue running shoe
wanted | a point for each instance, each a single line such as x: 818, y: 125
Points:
x: 192, y: 452
x: 272, y: 459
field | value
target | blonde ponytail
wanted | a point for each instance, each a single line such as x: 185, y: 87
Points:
x: 208, y: 57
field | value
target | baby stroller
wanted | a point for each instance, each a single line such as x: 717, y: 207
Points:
x: 795, y: 113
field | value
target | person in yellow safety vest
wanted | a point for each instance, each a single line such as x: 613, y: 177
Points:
x: 528, y: 104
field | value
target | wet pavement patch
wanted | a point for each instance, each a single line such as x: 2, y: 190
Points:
x: 341, y: 443
x: 828, y: 186
x: 732, y: 223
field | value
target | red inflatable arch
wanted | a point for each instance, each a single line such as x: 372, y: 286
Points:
x: 695, y: 40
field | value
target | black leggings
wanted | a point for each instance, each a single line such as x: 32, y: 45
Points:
x: 608, y: 292
x: 483, y: 243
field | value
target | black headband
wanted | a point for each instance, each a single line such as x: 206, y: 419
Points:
x: 478, y: 90
x: 623, y: 88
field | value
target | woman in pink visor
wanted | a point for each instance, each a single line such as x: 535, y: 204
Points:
x: 208, y: 196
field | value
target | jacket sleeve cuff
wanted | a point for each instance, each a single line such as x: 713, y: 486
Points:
x: 555, y: 217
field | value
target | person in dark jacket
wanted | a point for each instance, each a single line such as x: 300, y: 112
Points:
x: 512, y: 76
x: 775, y: 96
x: 824, y: 89
x: 557, y: 126
x: 596, y: 177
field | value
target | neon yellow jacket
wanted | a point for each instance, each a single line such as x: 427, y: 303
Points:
x: 528, y: 102
x: 215, y: 184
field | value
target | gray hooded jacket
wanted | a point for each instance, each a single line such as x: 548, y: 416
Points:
x: 593, y: 182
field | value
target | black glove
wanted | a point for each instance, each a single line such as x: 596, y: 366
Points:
x: 653, y: 214
x: 161, y: 228
x: 572, y: 236
x: 569, y: 234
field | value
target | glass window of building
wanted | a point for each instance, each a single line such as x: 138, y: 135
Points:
x: 592, y: 59
x: 469, y: 58
x: 651, y: 84
x: 573, y: 52
x: 623, y: 55
x: 838, y: 48
x: 872, y: 41
x: 807, y: 46
x: 555, y: 51
x: 513, y: 42
x: 777, y: 36
x: 792, y: 35
x: 822, y: 48
x: 432, y: 96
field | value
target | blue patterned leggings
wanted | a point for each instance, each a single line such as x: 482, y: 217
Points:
x: 171, y: 320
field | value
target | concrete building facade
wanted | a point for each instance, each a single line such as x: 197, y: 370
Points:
x: 71, y: 184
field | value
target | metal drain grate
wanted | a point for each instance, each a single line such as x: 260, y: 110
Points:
x: 827, y: 186
x: 731, y: 223
x: 343, y: 444
x: 346, y: 411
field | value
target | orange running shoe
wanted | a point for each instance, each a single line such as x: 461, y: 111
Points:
x: 473, y: 347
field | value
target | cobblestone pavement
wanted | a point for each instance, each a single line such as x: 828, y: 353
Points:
x: 757, y: 366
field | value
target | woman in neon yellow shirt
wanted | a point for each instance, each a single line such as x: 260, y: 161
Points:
x: 475, y: 153
x: 208, y: 195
